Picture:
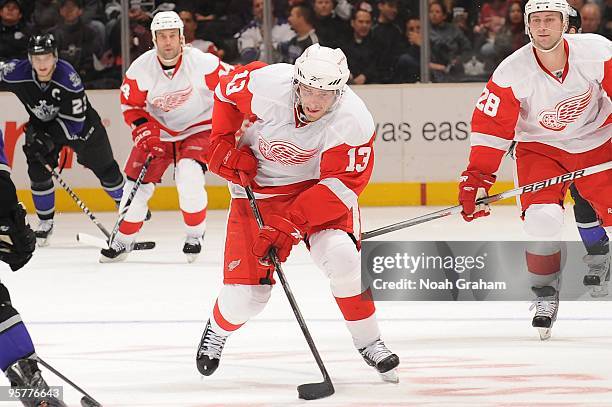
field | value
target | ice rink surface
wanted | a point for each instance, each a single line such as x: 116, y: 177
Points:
x: 128, y: 332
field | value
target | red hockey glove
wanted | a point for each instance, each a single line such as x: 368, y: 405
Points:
x: 280, y: 233
x: 146, y: 138
x: 474, y: 185
x: 226, y: 160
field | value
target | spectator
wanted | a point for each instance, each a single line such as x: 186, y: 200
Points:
x: 387, y: 38
x: 512, y: 35
x: 190, y: 34
x: 301, y: 20
x: 360, y: 51
x: 331, y: 30
x: 461, y: 19
x: 577, y: 4
x: 448, y: 44
x: 343, y: 9
x: 408, y: 69
x: 607, y: 29
x: 14, y: 34
x: 591, y: 19
x: 493, y: 9
x: 484, y: 56
x: 77, y: 42
x: 93, y: 16
x: 140, y: 35
x: 45, y: 15
x: 250, y: 39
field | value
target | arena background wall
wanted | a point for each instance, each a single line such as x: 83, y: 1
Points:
x: 422, y: 146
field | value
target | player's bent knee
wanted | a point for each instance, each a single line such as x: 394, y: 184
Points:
x: 543, y: 220
x: 189, y: 177
x: 335, y: 253
x: 238, y: 303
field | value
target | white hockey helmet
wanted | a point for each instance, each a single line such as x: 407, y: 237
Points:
x: 322, y: 68
x: 536, y: 6
x: 166, y: 20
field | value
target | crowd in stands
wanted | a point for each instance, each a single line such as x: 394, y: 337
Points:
x: 381, y: 38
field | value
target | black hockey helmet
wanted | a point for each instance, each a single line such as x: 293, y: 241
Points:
x: 575, y: 20
x: 42, y: 44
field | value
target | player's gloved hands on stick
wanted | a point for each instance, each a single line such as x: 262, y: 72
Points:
x: 17, y: 239
x: 227, y: 161
x: 37, y: 142
x: 146, y: 138
x: 280, y: 233
x: 474, y: 185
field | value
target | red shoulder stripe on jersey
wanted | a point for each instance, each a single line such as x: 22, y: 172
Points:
x: 131, y: 94
x: 606, y: 83
x: 495, y: 115
x: 234, y: 86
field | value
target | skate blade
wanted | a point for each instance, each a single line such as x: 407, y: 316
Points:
x: 191, y: 257
x: 120, y: 258
x: 545, y: 333
x: 599, y: 291
x: 42, y: 242
x: 390, y: 376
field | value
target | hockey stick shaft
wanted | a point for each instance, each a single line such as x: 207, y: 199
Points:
x: 74, y: 196
x: 288, y: 292
x: 65, y: 379
x: 128, y: 202
x: 536, y: 186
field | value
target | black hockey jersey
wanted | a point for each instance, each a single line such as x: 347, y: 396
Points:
x: 60, y: 107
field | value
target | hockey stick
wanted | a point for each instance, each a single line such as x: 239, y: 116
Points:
x: 536, y: 186
x: 86, y: 400
x: 128, y: 202
x: 308, y: 391
x: 85, y: 209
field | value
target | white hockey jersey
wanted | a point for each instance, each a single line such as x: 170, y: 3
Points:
x: 331, y: 158
x: 525, y: 102
x: 181, y: 103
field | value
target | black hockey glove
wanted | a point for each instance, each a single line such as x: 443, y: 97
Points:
x: 17, y: 239
x: 37, y: 142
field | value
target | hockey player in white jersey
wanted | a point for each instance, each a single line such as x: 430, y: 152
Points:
x: 308, y: 156
x: 167, y: 99
x: 552, y: 97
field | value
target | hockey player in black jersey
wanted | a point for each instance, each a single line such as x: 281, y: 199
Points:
x: 60, y: 115
x: 17, y: 242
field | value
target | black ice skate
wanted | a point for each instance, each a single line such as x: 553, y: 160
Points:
x: 546, y: 305
x: 44, y: 232
x: 25, y: 374
x: 209, y: 351
x: 192, y: 248
x: 598, y: 274
x: 377, y: 355
x: 118, y: 251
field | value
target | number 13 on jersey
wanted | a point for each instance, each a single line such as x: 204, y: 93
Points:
x: 358, y: 158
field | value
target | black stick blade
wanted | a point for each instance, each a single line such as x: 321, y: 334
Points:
x: 89, y: 402
x: 314, y: 391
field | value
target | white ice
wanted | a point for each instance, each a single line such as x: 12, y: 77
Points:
x: 127, y: 333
